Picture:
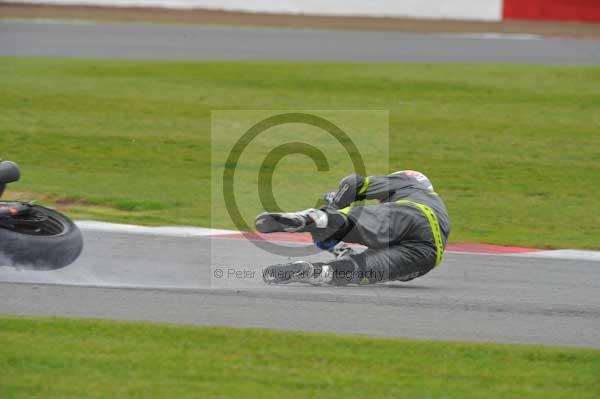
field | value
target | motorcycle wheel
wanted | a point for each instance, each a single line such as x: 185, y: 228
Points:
x: 43, y: 240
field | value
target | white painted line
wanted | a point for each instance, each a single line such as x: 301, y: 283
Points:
x: 568, y: 254
x: 168, y: 231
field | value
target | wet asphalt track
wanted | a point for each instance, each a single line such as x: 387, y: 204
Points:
x: 159, y: 278
x: 162, y: 41
x: 470, y: 297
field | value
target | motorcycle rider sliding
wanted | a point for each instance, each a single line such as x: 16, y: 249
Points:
x: 405, y: 234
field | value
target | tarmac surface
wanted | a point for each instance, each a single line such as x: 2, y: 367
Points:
x: 514, y: 299
x: 186, y: 42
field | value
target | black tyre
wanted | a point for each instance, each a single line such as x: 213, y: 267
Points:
x: 48, y: 241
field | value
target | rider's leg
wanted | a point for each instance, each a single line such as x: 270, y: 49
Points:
x: 303, y: 221
x: 374, y: 226
x: 404, y: 261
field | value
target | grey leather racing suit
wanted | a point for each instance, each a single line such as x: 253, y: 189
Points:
x: 405, y: 233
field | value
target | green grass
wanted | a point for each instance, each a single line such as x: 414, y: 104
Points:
x: 514, y: 150
x: 60, y: 358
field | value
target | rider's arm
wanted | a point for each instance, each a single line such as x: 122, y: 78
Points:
x: 357, y: 188
x: 347, y: 191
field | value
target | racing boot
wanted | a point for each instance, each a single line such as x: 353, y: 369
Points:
x: 291, y: 222
x: 298, y: 272
x: 342, y: 249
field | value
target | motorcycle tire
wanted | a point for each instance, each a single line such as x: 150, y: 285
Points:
x: 52, y: 243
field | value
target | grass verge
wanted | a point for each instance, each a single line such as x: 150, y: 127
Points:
x: 59, y: 358
x: 514, y: 150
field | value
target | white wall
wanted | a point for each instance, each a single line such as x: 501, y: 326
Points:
x: 490, y: 10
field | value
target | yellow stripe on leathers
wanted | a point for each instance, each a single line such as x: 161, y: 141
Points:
x: 435, y: 227
x: 433, y: 222
x: 365, y: 186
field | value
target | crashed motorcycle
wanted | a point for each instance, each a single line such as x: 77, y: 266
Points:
x: 33, y: 236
